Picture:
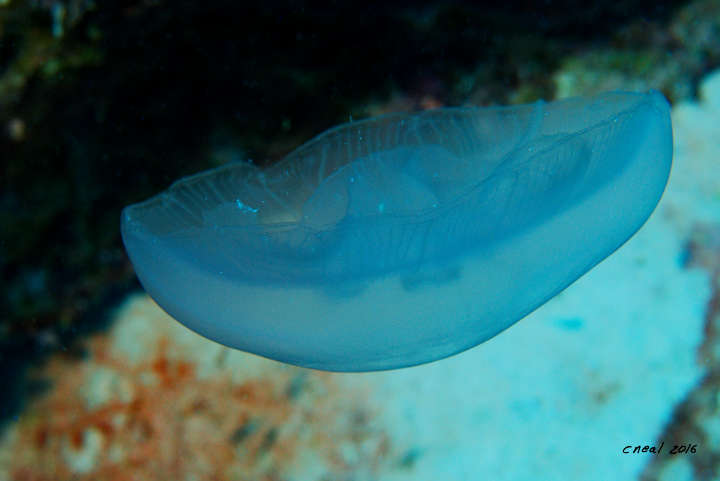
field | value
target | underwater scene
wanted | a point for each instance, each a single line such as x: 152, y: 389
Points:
x: 309, y: 241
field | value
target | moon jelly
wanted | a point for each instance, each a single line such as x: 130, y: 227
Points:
x: 405, y: 238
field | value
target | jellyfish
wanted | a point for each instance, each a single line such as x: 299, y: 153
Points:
x: 405, y: 238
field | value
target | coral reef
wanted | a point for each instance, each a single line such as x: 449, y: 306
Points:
x: 165, y: 412
x: 649, y: 54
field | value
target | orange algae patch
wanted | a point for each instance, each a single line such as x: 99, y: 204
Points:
x: 158, y: 419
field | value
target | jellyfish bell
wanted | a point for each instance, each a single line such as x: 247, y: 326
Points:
x: 405, y: 238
